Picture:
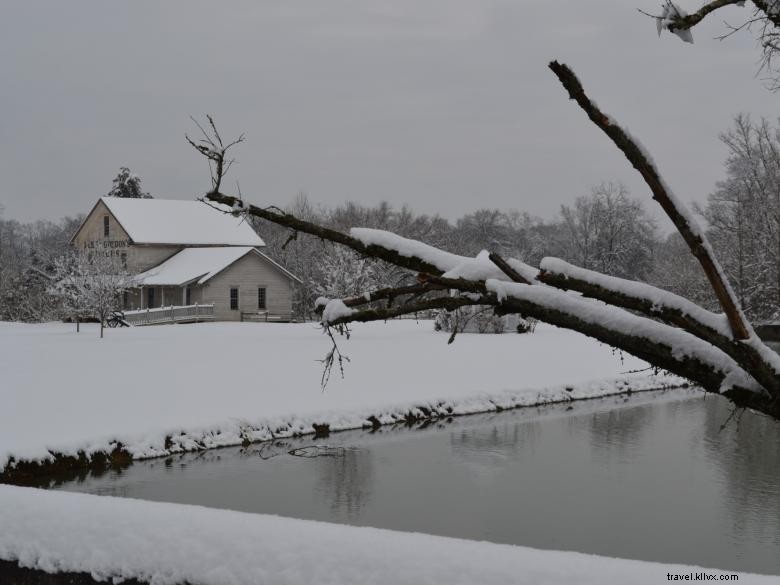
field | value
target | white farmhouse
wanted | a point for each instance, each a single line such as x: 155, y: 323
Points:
x: 187, y: 253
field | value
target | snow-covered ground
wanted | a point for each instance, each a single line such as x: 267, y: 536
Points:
x: 167, y: 544
x: 215, y: 384
x: 218, y: 383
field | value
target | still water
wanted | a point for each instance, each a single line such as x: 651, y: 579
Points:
x: 653, y: 476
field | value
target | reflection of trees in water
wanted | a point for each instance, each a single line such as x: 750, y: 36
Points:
x: 346, y: 481
x: 617, y: 432
x: 488, y: 448
x: 746, y: 452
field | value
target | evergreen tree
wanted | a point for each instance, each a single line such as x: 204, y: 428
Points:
x: 127, y: 184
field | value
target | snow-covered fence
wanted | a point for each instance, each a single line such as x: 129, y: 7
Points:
x: 171, y: 314
x: 267, y: 317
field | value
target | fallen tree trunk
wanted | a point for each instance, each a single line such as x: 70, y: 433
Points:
x: 659, y: 347
x: 720, y: 353
x: 689, y: 230
x: 752, y: 355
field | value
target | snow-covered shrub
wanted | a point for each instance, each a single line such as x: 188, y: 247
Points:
x: 525, y: 325
x: 480, y: 320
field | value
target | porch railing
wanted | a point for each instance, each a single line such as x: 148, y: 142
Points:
x: 171, y: 314
x: 267, y: 317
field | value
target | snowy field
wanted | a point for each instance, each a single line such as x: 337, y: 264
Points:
x: 167, y: 544
x: 214, y: 384
x: 217, y: 383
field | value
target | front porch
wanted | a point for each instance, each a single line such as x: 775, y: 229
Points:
x: 172, y: 314
x: 156, y: 297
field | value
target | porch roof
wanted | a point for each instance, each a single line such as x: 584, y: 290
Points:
x: 198, y: 265
x: 192, y: 265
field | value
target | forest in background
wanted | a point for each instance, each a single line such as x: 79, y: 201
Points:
x: 607, y: 229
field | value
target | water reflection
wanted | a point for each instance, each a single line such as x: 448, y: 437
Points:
x: 488, y: 448
x: 345, y: 481
x: 649, y: 477
x: 744, y: 448
x: 617, y: 433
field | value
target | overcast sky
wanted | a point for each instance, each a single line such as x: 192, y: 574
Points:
x: 446, y: 105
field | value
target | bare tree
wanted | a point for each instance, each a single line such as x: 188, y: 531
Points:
x: 90, y: 284
x: 744, y: 215
x: 27, y: 253
x: 719, y: 352
x: 609, y: 232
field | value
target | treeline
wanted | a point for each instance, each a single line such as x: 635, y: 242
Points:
x: 606, y: 230
x: 27, y: 254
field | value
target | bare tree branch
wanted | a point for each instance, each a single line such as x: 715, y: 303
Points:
x: 657, y: 353
x: 507, y: 269
x: 641, y: 162
x: 277, y: 216
x: 746, y: 355
x: 212, y: 147
x: 765, y: 15
x: 691, y: 20
x: 660, y: 344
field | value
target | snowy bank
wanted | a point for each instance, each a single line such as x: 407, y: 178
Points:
x: 159, y: 390
x: 167, y: 544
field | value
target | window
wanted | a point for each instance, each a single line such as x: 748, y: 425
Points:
x: 125, y: 300
x: 261, y: 297
x: 106, y: 230
x: 188, y: 296
x: 123, y: 256
x: 234, y: 299
x: 150, y: 298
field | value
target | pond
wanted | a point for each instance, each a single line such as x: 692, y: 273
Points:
x: 663, y: 476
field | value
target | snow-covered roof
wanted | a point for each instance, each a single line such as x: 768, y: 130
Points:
x: 198, y: 265
x: 173, y: 221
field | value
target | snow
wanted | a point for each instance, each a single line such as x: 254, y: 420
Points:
x: 168, y: 544
x: 213, y: 384
x: 659, y: 297
x: 335, y: 309
x: 173, y: 221
x: 669, y: 13
x: 192, y: 264
x: 694, y: 227
x: 452, y: 265
x: 406, y: 247
x: 683, y: 344
x: 656, y: 296
x: 199, y: 264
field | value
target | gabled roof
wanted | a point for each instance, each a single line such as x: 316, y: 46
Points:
x: 173, y: 221
x: 198, y: 265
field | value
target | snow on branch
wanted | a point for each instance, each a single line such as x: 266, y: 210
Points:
x: 215, y: 150
x: 764, y: 18
x: 633, y: 295
x: 664, y: 346
x: 669, y: 308
x: 451, y: 265
x: 682, y: 218
x: 512, y: 287
x: 670, y: 15
x: 609, y: 324
x: 678, y: 21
